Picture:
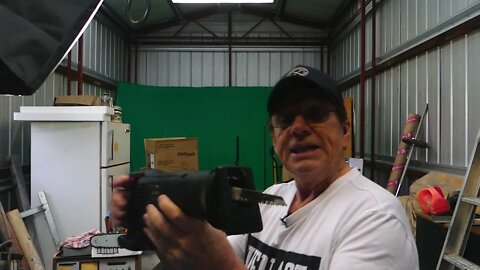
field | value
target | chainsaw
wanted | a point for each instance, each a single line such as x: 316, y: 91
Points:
x: 225, y: 197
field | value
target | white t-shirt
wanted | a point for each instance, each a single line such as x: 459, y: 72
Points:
x: 353, y: 224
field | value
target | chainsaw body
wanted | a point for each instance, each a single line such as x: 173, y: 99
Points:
x: 205, y: 195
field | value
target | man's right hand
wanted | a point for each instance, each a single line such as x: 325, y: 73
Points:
x: 185, y: 243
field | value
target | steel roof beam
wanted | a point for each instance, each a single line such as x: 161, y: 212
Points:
x: 206, y: 29
x: 281, y: 8
x: 175, y: 10
x: 281, y: 28
x: 261, y: 12
x: 255, y: 26
x: 181, y: 28
x: 235, y: 41
x: 106, y: 14
x: 341, y: 11
x: 175, y: 21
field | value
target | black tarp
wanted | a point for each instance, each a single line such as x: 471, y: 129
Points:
x: 35, y: 35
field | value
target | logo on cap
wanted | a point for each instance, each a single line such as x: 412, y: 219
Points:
x: 298, y: 71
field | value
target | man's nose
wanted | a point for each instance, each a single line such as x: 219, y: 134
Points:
x: 300, y: 125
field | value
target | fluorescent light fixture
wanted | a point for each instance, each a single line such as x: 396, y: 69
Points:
x: 221, y: 1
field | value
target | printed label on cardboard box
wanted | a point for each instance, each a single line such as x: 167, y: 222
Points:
x: 172, y: 154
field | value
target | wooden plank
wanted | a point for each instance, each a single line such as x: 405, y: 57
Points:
x: 7, y: 230
x: 26, y: 244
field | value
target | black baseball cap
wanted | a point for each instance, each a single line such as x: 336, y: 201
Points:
x: 319, y: 85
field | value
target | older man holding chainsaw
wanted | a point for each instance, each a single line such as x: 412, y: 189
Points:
x: 335, y: 218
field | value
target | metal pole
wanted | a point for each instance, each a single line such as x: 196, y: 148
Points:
x: 372, y: 79
x: 362, y: 79
x: 230, y: 48
x: 69, y: 73
x: 322, y: 68
x: 80, y: 66
x: 136, y: 64
x: 129, y: 62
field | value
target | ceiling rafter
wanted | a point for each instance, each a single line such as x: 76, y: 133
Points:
x: 175, y: 9
x: 341, y: 11
x: 193, y: 16
x: 205, y: 28
x: 107, y: 11
x: 235, y: 41
x: 255, y: 26
x: 179, y: 17
x: 281, y: 28
x: 261, y: 12
x: 181, y: 29
x: 281, y: 8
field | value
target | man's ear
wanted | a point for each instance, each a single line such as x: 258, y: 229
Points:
x: 273, y: 141
x: 346, y: 127
x: 272, y: 136
x: 346, y: 133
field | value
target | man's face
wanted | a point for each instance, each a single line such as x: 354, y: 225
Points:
x: 309, y: 138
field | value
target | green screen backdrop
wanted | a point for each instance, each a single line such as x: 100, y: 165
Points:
x: 214, y: 115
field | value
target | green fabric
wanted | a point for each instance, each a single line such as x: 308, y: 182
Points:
x: 215, y: 115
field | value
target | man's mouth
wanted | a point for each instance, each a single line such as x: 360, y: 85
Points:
x: 304, y: 148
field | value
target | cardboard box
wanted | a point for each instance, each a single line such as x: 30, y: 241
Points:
x: 76, y: 101
x: 172, y: 154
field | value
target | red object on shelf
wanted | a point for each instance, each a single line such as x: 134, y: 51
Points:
x: 432, y: 201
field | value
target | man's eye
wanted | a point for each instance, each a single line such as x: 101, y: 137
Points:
x: 316, y: 115
x: 283, y: 121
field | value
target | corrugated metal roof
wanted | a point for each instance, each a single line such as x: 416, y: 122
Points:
x: 164, y: 14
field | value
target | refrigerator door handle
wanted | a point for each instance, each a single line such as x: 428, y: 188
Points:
x: 111, y: 137
x: 108, y: 224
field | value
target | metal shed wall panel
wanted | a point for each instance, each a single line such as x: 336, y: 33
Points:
x: 15, y: 136
x: 346, y: 53
x: 104, y: 53
x: 444, y: 77
x: 204, y: 67
x: 399, y: 21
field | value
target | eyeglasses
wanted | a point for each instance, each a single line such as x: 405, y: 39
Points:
x: 311, y: 115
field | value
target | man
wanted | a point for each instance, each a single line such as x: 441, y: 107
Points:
x: 335, y: 219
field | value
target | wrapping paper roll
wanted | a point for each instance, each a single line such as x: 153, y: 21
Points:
x: 403, y: 149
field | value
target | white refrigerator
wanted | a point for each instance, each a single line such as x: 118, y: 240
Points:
x: 75, y: 154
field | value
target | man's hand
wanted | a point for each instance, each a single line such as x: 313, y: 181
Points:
x: 119, y: 199
x: 187, y: 243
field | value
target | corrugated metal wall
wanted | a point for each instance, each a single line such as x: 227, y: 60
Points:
x: 104, y: 54
x: 104, y: 51
x: 444, y: 77
x: 209, y: 65
x: 204, y: 67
